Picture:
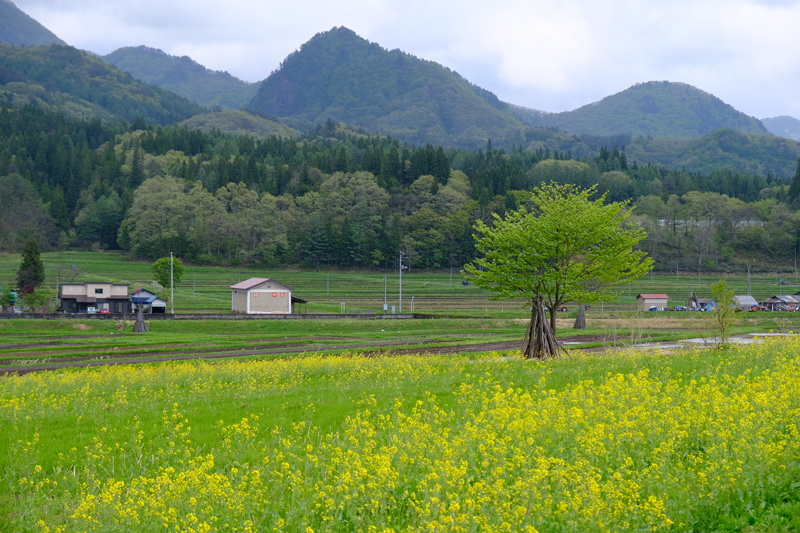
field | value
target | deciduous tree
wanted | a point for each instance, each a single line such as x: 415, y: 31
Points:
x: 564, y: 249
x: 161, y: 271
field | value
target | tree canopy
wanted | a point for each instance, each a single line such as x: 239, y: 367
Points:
x: 566, y: 246
x: 162, y: 274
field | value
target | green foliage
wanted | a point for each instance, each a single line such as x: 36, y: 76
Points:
x: 6, y: 296
x: 166, y: 270
x: 31, y: 268
x: 237, y: 122
x: 566, y: 248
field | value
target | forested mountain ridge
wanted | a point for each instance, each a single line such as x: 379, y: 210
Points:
x: 339, y: 198
x: 657, y: 109
x: 340, y: 76
x: 183, y: 76
x: 783, y: 126
x: 71, y: 81
x: 17, y: 28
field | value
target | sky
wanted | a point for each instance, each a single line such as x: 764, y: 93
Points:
x: 551, y: 55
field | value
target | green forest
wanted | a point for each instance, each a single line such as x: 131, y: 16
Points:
x: 336, y: 198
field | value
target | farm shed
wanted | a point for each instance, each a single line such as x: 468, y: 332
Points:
x: 263, y: 296
x: 148, y: 302
x: 78, y: 298
x: 745, y: 302
x: 648, y: 301
x: 786, y: 302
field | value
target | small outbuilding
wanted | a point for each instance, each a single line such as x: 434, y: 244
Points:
x: 148, y: 302
x: 784, y: 302
x: 745, y: 302
x: 263, y: 296
x: 649, y: 302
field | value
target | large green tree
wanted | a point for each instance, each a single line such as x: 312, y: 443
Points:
x: 31, y: 268
x: 570, y: 246
x: 166, y: 270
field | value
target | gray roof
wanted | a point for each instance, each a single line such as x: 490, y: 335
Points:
x: 746, y: 299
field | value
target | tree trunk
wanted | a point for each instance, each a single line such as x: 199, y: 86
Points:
x: 540, y: 339
x: 580, y: 321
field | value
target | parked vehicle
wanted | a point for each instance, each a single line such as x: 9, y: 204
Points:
x: 91, y: 310
x: 104, y: 311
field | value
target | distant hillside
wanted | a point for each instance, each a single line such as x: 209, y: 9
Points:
x: 340, y: 76
x: 653, y: 109
x: 71, y: 81
x: 788, y: 127
x: 183, y: 76
x: 16, y: 27
x: 745, y: 152
x: 239, y: 123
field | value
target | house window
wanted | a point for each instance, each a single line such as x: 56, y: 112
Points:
x: 98, y: 291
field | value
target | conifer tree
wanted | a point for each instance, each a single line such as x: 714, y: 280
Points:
x: 31, y: 269
x: 794, y: 188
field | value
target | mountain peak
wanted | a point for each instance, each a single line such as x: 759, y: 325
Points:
x: 655, y: 109
x: 341, y: 76
x: 17, y: 28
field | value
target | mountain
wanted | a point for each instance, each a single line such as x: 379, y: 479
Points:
x: 183, y: 76
x: 744, y: 152
x: 238, y: 122
x: 16, y: 27
x: 788, y: 127
x: 658, y: 109
x: 71, y: 81
x: 340, y: 76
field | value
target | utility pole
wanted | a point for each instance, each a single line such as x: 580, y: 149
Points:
x: 401, y: 283
x: 384, y: 294
x: 171, y: 285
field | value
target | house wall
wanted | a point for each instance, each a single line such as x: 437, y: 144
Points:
x: 73, y: 290
x: 646, y: 303
x: 270, y: 300
x: 239, y: 301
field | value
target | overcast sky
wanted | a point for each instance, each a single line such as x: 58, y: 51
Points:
x: 552, y: 55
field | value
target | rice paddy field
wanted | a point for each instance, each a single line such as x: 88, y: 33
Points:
x: 395, y: 425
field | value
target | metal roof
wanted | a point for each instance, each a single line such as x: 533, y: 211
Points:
x: 654, y: 296
x: 252, y: 283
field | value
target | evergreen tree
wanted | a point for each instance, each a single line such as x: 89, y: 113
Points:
x: 794, y: 188
x: 31, y: 269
